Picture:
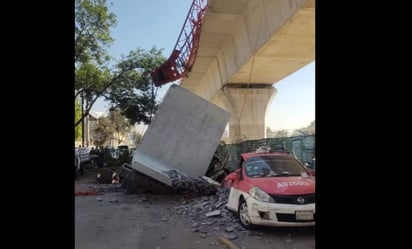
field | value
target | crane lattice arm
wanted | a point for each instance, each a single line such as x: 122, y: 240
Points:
x: 184, y: 53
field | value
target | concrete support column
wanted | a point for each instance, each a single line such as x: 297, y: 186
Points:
x: 248, y: 107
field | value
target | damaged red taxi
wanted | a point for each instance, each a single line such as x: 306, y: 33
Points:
x: 271, y: 188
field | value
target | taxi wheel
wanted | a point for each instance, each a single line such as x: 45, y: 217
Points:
x: 243, y: 214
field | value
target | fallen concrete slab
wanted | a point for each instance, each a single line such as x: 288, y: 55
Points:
x: 181, y: 138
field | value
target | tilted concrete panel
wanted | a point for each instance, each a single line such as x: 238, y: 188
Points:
x: 182, y: 136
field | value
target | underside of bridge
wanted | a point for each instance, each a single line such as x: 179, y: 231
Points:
x: 247, y: 46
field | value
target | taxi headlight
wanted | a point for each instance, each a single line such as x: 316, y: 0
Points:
x: 260, y: 195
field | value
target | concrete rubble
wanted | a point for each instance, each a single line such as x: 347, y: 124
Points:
x: 186, y: 184
x: 201, y: 210
x: 211, y: 211
x: 203, y: 213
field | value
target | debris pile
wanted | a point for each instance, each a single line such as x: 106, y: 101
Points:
x: 135, y: 182
x: 189, y: 184
x: 211, y: 211
x: 109, y: 188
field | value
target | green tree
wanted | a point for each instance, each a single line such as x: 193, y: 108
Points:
x: 90, y: 84
x: 77, y: 116
x: 126, y: 84
x: 119, y: 123
x: 134, y: 92
x: 92, y: 30
x: 103, y: 132
x: 92, y: 34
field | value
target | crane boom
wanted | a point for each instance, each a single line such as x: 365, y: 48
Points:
x: 183, y: 55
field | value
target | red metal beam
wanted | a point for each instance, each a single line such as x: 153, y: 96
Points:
x: 184, y: 53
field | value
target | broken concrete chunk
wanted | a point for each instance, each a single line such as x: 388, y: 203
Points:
x: 213, y: 213
x: 219, y: 204
x: 184, y: 132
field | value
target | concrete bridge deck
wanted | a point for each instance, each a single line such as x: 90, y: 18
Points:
x: 246, y: 47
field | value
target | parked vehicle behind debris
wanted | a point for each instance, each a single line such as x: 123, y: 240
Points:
x: 81, y: 156
x: 271, y: 188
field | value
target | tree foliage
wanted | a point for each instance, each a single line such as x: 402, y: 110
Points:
x: 135, y: 94
x: 120, y: 124
x: 103, y: 132
x: 92, y: 30
x: 77, y: 116
x: 93, y: 21
x: 127, y: 83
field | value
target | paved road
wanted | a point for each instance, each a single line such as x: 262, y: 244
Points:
x: 115, y: 220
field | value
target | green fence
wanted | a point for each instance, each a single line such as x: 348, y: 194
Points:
x: 302, y: 147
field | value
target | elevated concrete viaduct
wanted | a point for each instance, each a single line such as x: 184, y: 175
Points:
x: 245, y: 48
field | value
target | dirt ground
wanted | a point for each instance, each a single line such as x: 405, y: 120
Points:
x: 112, y: 219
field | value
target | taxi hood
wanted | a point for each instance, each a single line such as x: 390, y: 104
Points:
x: 286, y: 185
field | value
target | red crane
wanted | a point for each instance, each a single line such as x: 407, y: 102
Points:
x: 184, y: 54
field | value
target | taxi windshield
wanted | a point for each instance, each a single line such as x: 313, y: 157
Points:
x: 273, y: 166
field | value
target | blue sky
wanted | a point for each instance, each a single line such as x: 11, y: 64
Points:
x: 157, y: 23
